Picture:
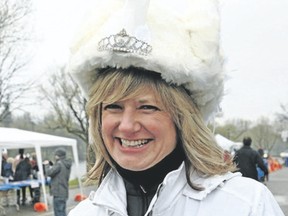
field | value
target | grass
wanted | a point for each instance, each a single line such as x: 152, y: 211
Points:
x: 73, y: 183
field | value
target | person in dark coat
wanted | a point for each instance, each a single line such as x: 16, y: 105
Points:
x: 247, y: 160
x: 4, y: 162
x: 59, y: 173
x: 22, y: 172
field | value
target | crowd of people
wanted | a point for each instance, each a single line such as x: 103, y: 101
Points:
x: 19, y: 168
x: 25, y: 167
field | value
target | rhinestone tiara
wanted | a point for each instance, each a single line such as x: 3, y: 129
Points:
x: 122, y: 42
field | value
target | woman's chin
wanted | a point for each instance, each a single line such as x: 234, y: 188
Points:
x: 133, y: 166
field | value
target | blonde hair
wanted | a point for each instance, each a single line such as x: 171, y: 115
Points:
x: 201, y: 150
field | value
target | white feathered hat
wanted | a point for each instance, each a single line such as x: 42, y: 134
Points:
x: 178, y: 39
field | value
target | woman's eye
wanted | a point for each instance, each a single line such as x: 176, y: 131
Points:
x: 149, y: 107
x: 112, y: 107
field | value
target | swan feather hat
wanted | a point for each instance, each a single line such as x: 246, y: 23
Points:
x: 178, y: 39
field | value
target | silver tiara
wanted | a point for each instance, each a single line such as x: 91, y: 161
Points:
x: 122, y: 42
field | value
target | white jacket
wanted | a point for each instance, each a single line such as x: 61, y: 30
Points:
x: 224, y: 195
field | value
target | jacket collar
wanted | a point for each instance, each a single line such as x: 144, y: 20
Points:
x: 175, y: 182
x: 112, y: 193
x: 209, y: 184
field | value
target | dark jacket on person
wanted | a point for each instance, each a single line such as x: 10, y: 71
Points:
x: 3, y: 166
x: 247, y: 160
x: 23, y: 170
x: 7, y: 170
x: 60, y: 173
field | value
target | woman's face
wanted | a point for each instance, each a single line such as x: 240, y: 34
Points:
x: 137, y: 132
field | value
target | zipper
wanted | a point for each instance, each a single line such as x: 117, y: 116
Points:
x: 143, y: 189
x: 144, y: 197
x: 150, y: 209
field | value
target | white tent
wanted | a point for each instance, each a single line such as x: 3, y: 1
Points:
x: 12, y: 138
x: 227, y: 144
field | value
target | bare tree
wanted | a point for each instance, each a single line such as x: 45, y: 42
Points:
x: 283, y: 116
x: 233, y: 129
x: 67, y: 104
x: 264, y: 135
x: 14, y: 37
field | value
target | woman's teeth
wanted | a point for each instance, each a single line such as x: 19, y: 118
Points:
x: 133, y: 143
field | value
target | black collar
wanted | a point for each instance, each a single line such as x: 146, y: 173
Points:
x: 155, y: 175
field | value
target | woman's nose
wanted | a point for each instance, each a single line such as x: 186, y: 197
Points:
x: 129, y: 122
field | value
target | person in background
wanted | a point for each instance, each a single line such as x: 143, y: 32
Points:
x: 248, y: 159
x: 19, y: 157
x: 152, y: 72
x: 59, y: 172
x: 262, y: 177
x: 23, y: 172
x: 4, y: 161
x: 35, y: 167
x: 34, y: 192
x: 8, y: 169
x: 7, y: 172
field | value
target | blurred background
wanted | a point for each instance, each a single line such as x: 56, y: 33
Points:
x: 36, y: 94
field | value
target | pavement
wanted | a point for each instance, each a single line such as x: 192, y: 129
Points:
x: 278, y: 185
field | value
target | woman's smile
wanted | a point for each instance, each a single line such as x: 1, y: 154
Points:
x: 133, y: 143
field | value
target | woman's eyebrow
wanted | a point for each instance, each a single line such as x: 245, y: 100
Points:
x: 147, y: 100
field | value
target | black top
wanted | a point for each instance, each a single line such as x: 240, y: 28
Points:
x: 142, y: 185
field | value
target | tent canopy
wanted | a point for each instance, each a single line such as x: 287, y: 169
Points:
x: 12, y: 138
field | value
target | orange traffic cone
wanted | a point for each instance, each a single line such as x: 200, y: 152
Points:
x: 79, y: 197
x: 40, y: 207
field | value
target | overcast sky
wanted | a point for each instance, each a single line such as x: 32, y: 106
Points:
x: 254, y: 40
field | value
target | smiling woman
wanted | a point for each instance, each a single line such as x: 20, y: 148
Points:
x: 151, y: 86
